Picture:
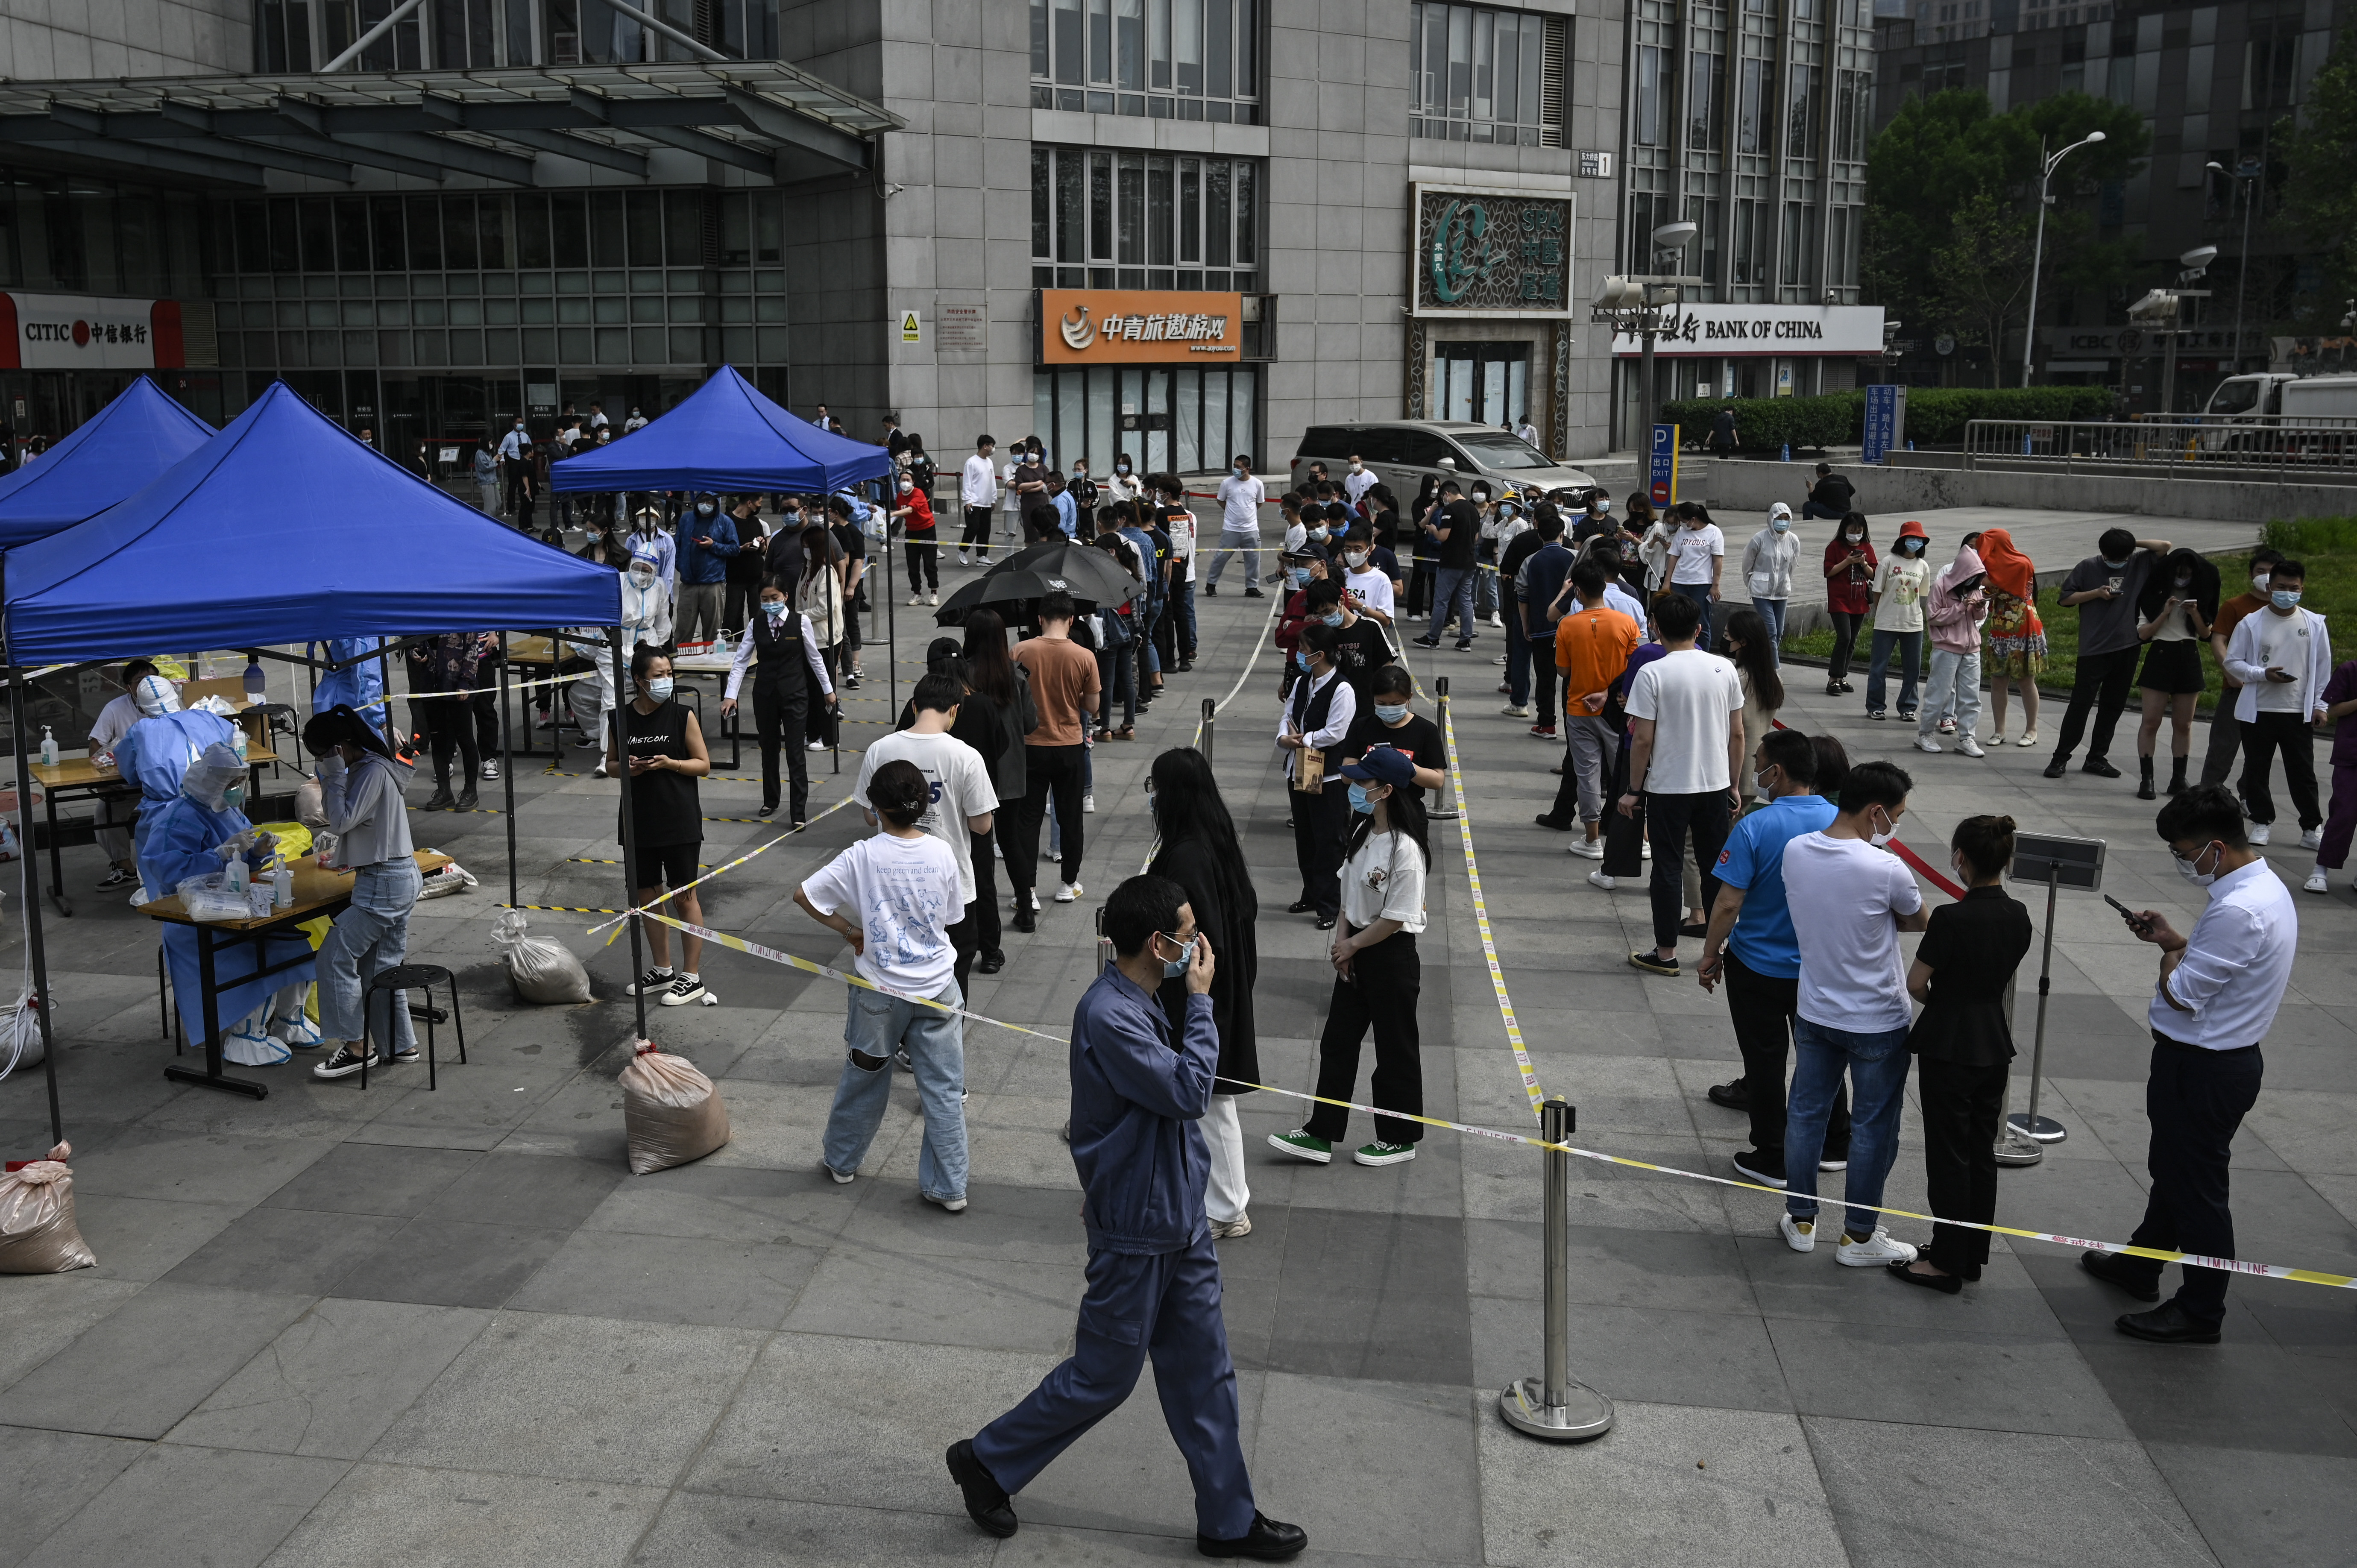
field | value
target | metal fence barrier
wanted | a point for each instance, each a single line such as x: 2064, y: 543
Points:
x: 2261, y: 449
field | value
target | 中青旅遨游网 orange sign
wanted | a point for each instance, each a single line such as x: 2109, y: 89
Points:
x: 1129, y: 327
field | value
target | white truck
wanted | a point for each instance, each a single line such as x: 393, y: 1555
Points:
x: 2309, y: 415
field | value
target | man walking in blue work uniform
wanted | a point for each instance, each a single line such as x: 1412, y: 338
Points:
x: 1153, y: 1278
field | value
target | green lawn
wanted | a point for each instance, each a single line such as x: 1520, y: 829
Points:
x: 2326, y: 545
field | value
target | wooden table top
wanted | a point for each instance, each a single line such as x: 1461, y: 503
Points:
x: 315, y: 887
x: 73, y: 771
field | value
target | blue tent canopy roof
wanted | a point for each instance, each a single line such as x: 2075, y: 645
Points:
x: 284, y: 529
x: 116, y: 451
x: 725, y: 437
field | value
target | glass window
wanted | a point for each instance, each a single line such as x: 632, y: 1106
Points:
x: 1705, y: 98
x: 459, y: 232
x: 531, y: 231
x: 1483, y: 75
x: 424, y: 234
x: 390, y: 255
x: 1753, y: 106
x: 316, y: 218
x: 1141, y: 209
x: 1803, y: 111
x: 1153, y: 51
x: 1652, y: 129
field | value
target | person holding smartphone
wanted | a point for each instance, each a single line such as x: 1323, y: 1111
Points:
x: 664, y: 748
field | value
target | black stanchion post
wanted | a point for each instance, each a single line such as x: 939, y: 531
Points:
x: 1440, y: 700
x: 630, y: 829
x: 1552, y: 1406
x: 506, y: 768
x: 1211, y: 718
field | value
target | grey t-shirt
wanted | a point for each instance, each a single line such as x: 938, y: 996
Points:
x: 2107, y: 626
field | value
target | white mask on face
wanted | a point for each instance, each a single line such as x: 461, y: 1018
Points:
x: 1890, y: 831
x: 2189, y: 869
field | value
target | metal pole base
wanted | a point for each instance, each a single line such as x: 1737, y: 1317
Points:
x: 203, y: 1080
x: 2013, y: 1149
x: 1587, y: 1414
x: 2045, y: 1129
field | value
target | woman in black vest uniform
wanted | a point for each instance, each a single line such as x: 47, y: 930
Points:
x: 1314, y: 722
x: 666, y: 748
x: 787, y: 671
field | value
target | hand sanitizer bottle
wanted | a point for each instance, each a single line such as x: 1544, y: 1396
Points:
x: 48, y: 748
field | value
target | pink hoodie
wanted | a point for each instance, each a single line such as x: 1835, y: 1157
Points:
x: 1955, y: 622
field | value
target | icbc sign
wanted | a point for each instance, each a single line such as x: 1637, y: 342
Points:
x: 81, y: 332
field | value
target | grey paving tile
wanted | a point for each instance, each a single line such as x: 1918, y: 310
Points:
x: 670, y: 1279
x: 178, y: 1506
x: 1958, y: 1379
x: 53, y: 1475
x: 299, y: 1252
x: 544, y: 1191
x: 374, y: 1178
x: 1669, y: 1486
x: 1372, y: 1466
x: 726, y: 1203
x: 706, y: 1531
x: 2256, y: 1508
x: 334, y: 1380
x: 1716, y: 1360
x: 1789, y: 1284
x: 143, y: 1368
x: 455, y: 1519
x: 210, y: 1168
x: 575, y: 1398
x: 450, y: 1262
x: 143, y: 1238
x: 1372, y: 1296
x: 2105, y: 1498
x: 1612, y: 1266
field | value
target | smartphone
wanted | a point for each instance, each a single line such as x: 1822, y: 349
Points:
x: 2136, y: 922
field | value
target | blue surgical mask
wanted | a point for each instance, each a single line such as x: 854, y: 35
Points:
x: 2284, y: 598
x: 707, y: 509
x: 2110, y: 565
x: 1298, y: 576
x: 1911, y: 546
x: 1238, y: 472
x: 1359, y: 804
x: 1173, y: 968
x: 1301, y: 660
x: 660, y: 688
x: 773, y: 609
x: 1333, y: 618
x: 1391, y: 713
x: 1780, y: 524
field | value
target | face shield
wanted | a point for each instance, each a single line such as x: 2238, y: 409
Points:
x: 215, y: 780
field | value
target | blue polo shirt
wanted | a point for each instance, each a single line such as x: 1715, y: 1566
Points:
x: 1753, y: 860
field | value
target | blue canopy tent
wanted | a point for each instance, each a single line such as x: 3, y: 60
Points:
x: 282, y: 528
x: 725, y: 437
x: 118, y: 449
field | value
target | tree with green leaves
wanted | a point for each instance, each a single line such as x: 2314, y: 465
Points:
x: 1981, y: 275
x: 2319, y: 191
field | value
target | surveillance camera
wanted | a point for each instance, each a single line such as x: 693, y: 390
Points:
x: 1833, y: 296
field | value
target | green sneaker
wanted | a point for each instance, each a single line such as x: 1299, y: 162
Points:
x: 1385, y: 1154
x: 1302, y: 1146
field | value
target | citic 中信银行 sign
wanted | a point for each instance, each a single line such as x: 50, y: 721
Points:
x: 1130, y: 327
x: 82, y: 332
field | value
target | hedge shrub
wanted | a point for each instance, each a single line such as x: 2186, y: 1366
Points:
x: 1934, y: 414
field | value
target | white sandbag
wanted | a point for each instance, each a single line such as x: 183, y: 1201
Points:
x: 20, y: 1035
x: 541, y: 970
x: 671, y: 1112
x: 38, y: 1233
x: 442, y: 881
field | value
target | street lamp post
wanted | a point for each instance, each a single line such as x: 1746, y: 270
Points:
x: 2246, y: 176
x: 1636, y: 304
x: 2037, y: 254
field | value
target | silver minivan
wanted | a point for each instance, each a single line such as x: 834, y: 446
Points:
x: 1401, y: 452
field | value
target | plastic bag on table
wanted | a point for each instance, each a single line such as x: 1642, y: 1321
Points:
x: 541, y: 970
x: 38, y: 1233
x: 213, y: 705
x: 671, y: 1112
x: 442, y: 881
x: 210, y: 897
x: 310, y: 808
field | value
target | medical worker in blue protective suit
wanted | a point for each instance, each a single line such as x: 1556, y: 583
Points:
x: 1153, y: 1278
x: 358, y: 687
x: 155, y: 752
x: 198, y: 833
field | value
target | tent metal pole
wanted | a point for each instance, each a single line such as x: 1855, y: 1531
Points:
x: 629, y: 828
x: 36, y: 954
x: 507, y: 770
x: 891, y: 644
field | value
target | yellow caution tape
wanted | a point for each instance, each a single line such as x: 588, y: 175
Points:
x: 1481, y: 918
x: 564, y: 909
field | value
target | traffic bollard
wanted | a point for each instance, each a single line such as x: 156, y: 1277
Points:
x: 1552, y: 1406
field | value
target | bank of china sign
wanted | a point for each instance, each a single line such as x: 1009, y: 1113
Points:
x: 1732, y: 331
x: 1496, y: 253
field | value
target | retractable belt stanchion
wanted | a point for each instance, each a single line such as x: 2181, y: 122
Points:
x: 1552, y: 1406
x: 2059, y: 863
x: 1210, y: 715
x: 507, y: 769
x: 1440, y: 700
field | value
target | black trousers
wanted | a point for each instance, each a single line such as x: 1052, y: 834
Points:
x: 1671, y: 819
x: 1049, y: 771
x: 485, y: 704
x: 2290, y: 733
x: 1961, y: 1109
x: 2102, y: 685
x: 1166, y: 637
x: 1624, y: 837
x: 984, y: 910
x: 2225, y: 740
x: 1320, y: 825
x: 1845, y: 630
x: 450, y: 723
x: 1543, y: 674
x: 924, y: 565
x: 1381, y: 994
x: 2194, y: 1101
x: 781, y: 710
x: 1763, y: 1007
x: 978, y: 527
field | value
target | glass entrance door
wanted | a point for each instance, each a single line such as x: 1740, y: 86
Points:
x: 1488, y: 383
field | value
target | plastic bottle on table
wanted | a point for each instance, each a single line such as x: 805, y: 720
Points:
x: 240, y: 743
x: 282, y: 886
x: 237, y: 872
x: 48, y: 748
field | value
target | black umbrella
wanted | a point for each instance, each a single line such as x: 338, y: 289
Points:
x: 1016, y: 585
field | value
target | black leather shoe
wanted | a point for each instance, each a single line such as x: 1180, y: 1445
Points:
x: 1735, y: 1095
x: 2099, y: 768
x: 1947, y: 1285
x: 2054, y: 768
x: 440, y: 801
x: 2125, y: 1273
x: 1299, y: 907
x: 1325, y: 922
x: 991, y: 963
x: 1023, y: 921
x: 985, y: 1501
x: 2165, y: 1325
x: 1552, y: 823
x: 1270, y: 1541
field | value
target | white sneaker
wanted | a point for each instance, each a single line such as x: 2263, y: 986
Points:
x: 1801, y: 1235
x: 816, y: 746
x: 2315, y: 883
x: 1645, y: 850
x: 934, y: 598
x: 1089, y: 802
x: 2313, y: 839
x: 1970, y: 747
x: 915, y: 599
x: 1066, y: 892
x: 1925, y: 742
x: 1874, y: 1251
x: 1514, y: 711
x: 962, y: 559
x: 1500, y: 660
x: 1587, y: 849
x: 491, y: 771
x: 1597, y: 879
x: 2261, y: 831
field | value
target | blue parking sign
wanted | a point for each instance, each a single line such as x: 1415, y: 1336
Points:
x: 1662, y: 475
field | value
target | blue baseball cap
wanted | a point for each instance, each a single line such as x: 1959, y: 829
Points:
x: 1382, y: 765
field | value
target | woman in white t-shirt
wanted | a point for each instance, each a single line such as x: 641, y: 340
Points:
x: 905, y: 886
x: 1697, y: 553
x: 1901, y: 581
x: 1377, y: 974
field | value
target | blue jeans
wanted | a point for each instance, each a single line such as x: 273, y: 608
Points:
x: 1910, y: 655
x: 369, y: 937
x: 1700, y: 593
x: 1455, y: 592
x: 874, y: 1026
x: 1876, y: 1065
x: 1772, y: 612
x: 1518, y: 658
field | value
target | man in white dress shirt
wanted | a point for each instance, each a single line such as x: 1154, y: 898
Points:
x: 2216, y: 998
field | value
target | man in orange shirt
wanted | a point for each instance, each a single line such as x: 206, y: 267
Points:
x: 1591, y: 647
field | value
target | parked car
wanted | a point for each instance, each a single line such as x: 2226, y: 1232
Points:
x: 1402, y: 452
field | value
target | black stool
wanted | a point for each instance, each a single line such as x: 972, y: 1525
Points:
x: 411, y: 977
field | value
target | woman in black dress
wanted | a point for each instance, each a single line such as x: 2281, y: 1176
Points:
x: 666, y: 748
x: 2173, y: 619
x: 995, y: 681
x: 1198, y: 852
